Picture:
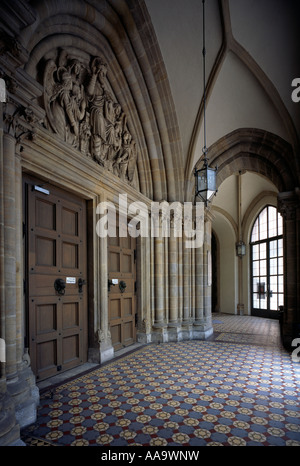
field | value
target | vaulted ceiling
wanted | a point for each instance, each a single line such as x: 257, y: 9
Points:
x: 252, y: 56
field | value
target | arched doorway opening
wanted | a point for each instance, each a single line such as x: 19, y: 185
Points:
x: 266, y: 263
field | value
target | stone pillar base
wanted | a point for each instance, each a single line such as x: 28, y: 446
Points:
x: 174, y: 332
x: 106, y: 352
x: 9, y: 429
x: 25, y: 396
x: 144, y: 338
x: 202, y: 331
x: 159, y: 334
x: 187, y: 331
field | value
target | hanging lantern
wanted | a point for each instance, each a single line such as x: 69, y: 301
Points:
x: 206, y: 182
x: 206, y: 177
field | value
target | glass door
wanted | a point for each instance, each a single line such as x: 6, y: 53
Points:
x: 267, y: 263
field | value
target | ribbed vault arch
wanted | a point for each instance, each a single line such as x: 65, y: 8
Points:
x: 253, y: 150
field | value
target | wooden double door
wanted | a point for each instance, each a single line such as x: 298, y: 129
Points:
x: 56, y: 281
x: 122, y: 290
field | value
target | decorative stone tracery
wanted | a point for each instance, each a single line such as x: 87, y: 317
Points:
x: 82, y: 111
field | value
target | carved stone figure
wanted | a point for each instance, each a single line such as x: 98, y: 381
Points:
x: 82, y: 111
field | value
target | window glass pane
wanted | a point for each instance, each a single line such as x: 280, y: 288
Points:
x: 280, y: 247
x: 273, y: 248
x: 273, y: 284
x: 255, y: 252
x: 254, y: 236
x: 255, y: 268
x: 272, y: 222
x: 263, y: 303
x: 263, y: 224
x: 263, y: 267
x: 280, y: 226
x: 280, y: 266
x: 273, y: 266
x: 273, y: 302
x: 267, y: 260
x: 263, y: 250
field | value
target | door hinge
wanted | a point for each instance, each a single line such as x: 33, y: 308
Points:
x: 24, y: 286
x: 24, y: 229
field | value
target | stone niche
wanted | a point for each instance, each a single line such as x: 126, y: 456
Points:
x: 82, y: 110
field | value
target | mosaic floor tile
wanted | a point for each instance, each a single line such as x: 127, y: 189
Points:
x: 189, y: 393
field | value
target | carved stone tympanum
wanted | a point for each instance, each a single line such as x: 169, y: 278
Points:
x: 82, y: 111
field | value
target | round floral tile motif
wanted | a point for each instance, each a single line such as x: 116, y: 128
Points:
x: 181, y: 438
x: 276, y: 432
x: 101, y: 426
x: 222, y: 429
x: 80, y: 443
x: 128, y: 434
x: 77, y: 419
x: 54, y: 423
x: 75, y: 410
x: 158, y: 442
x: 54, y: 435
x: 104, y: 439
x: 150, y: 430
x: 190, y: 421
x: 123, y: 422
x: 202, y: 433
x: 56, y: 413
x: 257, y: 437
x: 143, y: 418
x: 78, y: 431
x: 236, y: 441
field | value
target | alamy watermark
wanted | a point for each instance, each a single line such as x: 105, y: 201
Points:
x: 296, y: 351
x: 296, y: 92
x: 162, y: 219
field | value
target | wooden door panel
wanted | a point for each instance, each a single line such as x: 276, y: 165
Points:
x: 45, y: 213
x: 122, y: 303
x: 116, y: 336
x: 128, y: 333
x: 71, y: 351
x: 56, y: 250
x: 46, y: 358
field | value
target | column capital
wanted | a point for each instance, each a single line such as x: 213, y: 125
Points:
x: 288, y: 203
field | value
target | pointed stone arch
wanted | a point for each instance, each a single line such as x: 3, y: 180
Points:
x: 136, y: 73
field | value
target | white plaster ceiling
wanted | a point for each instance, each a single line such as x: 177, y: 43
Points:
x: 251, y: 85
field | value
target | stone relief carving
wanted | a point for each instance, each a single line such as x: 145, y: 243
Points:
x: 82, y: 111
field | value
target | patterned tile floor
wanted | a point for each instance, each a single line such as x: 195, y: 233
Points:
x: 241, y: 391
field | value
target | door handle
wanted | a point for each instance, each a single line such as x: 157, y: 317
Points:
x: 110, y: 283
x: 60, y: 286
x: 122, y: 286
x: 81, y: 282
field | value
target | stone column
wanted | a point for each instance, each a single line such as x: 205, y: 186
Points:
x: 202, y: 325
x: 173, y: 284
x: 20, y: 380
x: 9, y: 145
x: 106, y: 348
x: 199, y: 285
x: 9, y: 428
x: 289, y: 207
x: 186, y: 284
x: 208, y: 275
x: 159, y: 284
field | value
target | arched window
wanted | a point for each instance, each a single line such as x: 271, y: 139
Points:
x: 267, y: 263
